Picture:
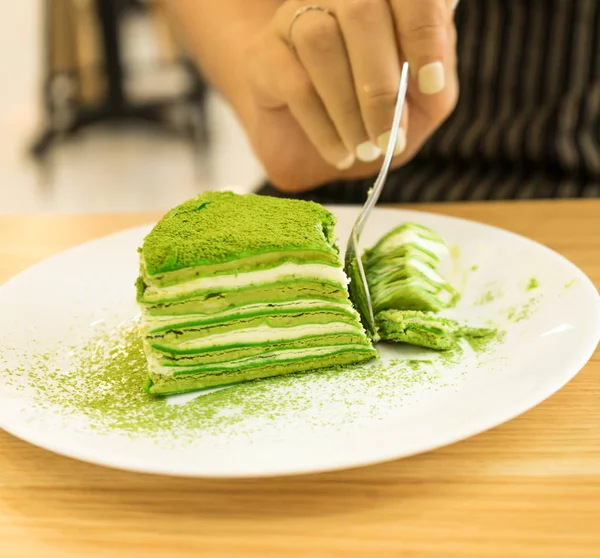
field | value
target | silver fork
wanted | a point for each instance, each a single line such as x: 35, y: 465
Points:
x: 359, y: 288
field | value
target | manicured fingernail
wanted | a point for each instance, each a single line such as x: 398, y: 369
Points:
x: 347, y: 162
x: 384, y: 139
x: 454, y: 4
x: 367, y: 151
x: 431, y: 78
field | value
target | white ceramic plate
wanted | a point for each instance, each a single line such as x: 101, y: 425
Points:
x: 298, y: 424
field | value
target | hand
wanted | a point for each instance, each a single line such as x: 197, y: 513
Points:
x: 324, y: 105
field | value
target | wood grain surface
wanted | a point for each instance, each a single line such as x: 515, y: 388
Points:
x: 529, y: 488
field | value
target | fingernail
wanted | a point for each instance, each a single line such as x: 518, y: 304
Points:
x: 346, y: 163
x: 384, y: 139
x: 367, y: 151
x: 454, y: 4
x: 431, y: 78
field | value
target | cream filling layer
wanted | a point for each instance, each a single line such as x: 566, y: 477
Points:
x: 286, y: 271
x: 272, y: 358
x: 410, y: 236
x: 152, y: 322
x: 444, y: 296
x: 426, y: 270
x: 266, y: 334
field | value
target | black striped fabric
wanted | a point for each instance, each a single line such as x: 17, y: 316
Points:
x: 527, y: 124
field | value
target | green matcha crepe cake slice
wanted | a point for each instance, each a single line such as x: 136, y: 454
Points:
x: 403, y: 270
x: 235, y: 288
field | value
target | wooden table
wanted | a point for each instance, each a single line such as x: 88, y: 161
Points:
x: 530, y: 488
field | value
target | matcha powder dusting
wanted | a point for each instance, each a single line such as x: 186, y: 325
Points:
x: 533, y: 284
x: 103, y: 388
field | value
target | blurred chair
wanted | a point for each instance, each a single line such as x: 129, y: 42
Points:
x: 87, y: 78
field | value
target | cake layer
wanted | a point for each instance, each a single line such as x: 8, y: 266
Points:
x: 242, y: 350
x: 243, y: 265
x: 220, y: 227
x: 182, y: 330
x: 424, y: 329
x: 408, y: 235
x: 164, y: 384
x: 158, y: 323
x: 219, y: 283
x: 411, y: 293
x: 221, y: 300
x: 260, y: 334
x: 274, y: 357
x: 413, y: 296
x: 400, y: 267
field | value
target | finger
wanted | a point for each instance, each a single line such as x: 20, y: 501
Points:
x: 319, y: 44
x: 266, y: 59
x: 402, y: 138
x: 288, y: 85
x: 438, y: 107
x: 310, y: 112
x: 427, y: 112
x: 422, y: 29
x: 368, y: 29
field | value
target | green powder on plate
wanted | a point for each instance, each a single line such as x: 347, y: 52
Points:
x: 520, y: 312
x: 533, y: 284
x: 100, y: 385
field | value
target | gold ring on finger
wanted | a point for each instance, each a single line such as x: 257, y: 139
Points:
x: 301, y: 11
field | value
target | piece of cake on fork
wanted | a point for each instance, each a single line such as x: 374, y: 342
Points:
x: 402, y: 270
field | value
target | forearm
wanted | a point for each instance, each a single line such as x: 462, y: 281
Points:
x: 217, y: 34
